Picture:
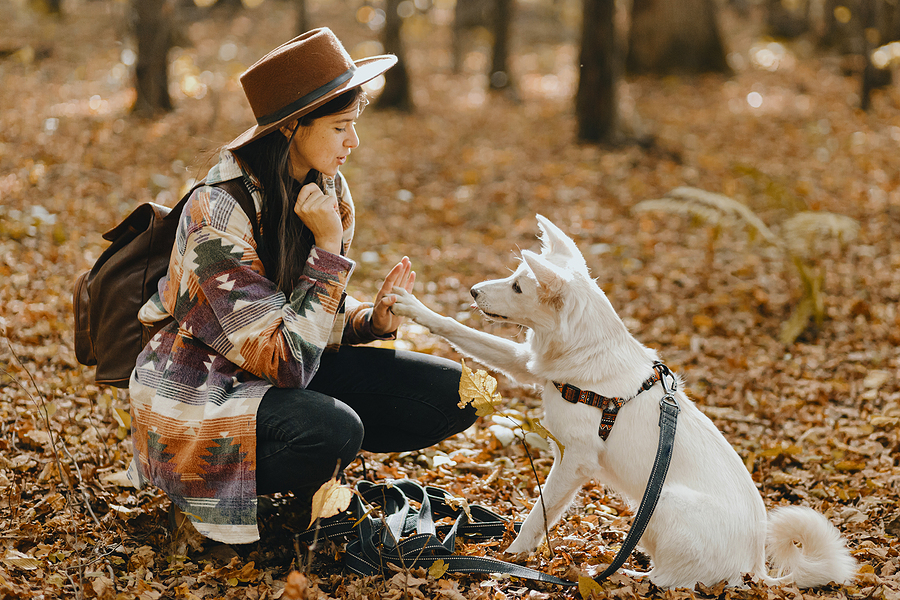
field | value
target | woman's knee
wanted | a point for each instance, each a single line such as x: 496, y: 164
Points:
x: 346, y: 436
x: 309, y: 425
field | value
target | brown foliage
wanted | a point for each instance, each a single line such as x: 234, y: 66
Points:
x: 456, y: 187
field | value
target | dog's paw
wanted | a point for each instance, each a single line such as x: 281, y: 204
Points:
x: 636, y: 574
x: 407, y: 305
x: 519, y: 546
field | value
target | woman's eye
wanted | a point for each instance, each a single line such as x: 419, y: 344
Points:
x: 516, y: 287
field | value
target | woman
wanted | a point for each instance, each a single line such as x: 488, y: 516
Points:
x: 241, y: 394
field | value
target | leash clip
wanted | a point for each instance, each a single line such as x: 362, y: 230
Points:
x: 668, y: 398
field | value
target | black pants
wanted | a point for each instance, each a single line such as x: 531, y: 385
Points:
x: 367, y: 398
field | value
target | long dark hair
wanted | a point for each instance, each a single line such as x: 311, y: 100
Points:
x: 285, y: 241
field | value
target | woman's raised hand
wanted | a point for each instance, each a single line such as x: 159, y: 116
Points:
x: 321, y: 214
x: 385, y: 322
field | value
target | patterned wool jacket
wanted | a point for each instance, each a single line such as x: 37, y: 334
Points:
x: 197, y: 385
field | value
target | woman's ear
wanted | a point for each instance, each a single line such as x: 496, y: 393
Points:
x: 288, y: 130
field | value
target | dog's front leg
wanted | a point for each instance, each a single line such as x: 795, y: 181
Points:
x: 494, y: 352
x: 565, y: 479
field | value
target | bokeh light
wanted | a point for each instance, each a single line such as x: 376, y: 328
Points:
x: 754, y: 99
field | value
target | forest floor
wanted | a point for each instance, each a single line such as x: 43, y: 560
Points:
x: 455, y: 186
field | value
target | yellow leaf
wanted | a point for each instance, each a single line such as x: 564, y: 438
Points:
x: 329, y: 500
x: 587, y: 587
x: 478, y: 389
x: 123, y: 418
x: 539, y: 429
x: 882, y: 421
x: 438, y: 568
x: 850, y: 465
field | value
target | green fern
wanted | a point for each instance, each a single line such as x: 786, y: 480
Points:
x: 802, y: 240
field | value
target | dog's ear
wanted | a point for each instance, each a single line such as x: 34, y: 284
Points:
x: 555, y: 241
x: 551, y: 279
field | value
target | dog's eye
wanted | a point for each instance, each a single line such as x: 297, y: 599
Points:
x: 516, y: 287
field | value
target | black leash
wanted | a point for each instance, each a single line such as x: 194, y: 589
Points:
x: 668, y: 420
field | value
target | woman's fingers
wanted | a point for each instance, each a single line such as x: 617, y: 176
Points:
x: 401, y: 275
x: 398, y: 276
x: 321, y: 215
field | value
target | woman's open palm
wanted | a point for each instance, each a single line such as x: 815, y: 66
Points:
x: 385, y: 322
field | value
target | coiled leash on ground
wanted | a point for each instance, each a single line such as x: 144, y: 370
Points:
x: 408, y: 538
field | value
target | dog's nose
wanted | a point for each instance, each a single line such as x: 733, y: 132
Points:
x: 474, y: 293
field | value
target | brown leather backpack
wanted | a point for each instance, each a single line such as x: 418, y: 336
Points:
x: 107, y: 298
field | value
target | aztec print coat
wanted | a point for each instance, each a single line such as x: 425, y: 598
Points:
x: 197, y: 385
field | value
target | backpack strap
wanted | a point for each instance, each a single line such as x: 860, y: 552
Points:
x: 237, y: 189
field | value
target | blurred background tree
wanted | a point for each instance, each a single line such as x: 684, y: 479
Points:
x: 596, y: 101
x: 675, y: 36
x: 643, y: 37
x: 303, y: 21
x: 500, y: 78
x: 396, y: 92
x: 152, y: 23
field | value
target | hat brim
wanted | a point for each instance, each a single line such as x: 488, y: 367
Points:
x: 367, y: 69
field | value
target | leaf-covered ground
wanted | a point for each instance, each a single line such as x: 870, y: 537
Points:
x: 455, y: 186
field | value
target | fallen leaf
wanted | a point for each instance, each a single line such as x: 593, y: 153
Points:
x: 438, y: 568
x: 297, y: 587
x: 330, y: 499
x: 587, y: 587
x: 14, y: 558
x: 119, y: 478
x: 457, y: 503
x: 123, y: 418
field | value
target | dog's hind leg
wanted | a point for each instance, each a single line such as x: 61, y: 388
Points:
x: 565, y: 479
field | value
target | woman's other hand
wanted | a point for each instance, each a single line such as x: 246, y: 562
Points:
x: 321, y: 214
x: 384, y: 322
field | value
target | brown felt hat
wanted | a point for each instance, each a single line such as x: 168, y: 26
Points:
x: 300, y: 76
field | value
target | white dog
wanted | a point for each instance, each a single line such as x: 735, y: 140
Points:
x: 710, y: 523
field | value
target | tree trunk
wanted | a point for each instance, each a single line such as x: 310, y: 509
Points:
x: 675, y: 36
x: 396, y: 94
x: 229, y: 6
x: 468, y: 15
x: 500, y: 73
x: 596, y: 100
x: 302, y: 17
x: 843, y: 26
x: 787, y: 19
x: 881, y: 20
x: 153, y: 28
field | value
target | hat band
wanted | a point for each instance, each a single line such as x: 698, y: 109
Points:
x: 309, y: 98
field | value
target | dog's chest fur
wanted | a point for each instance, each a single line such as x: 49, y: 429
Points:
x: 625, y: 459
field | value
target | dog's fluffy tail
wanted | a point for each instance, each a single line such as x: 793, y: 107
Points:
x: 806, y: 549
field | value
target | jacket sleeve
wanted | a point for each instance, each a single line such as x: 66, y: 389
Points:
x: 358, y: 324
x: 218, y: 293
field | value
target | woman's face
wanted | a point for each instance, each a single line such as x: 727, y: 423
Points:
x: 325, y: 144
